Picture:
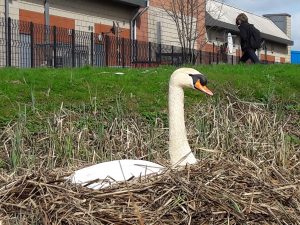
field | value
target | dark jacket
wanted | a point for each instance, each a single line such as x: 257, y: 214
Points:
x: 244, y: 35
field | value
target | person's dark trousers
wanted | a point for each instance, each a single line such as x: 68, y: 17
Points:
x: 249, y: 54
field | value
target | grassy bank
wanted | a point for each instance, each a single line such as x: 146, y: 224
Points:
x: 69, y: 116
x: 246, y: 137
x: 139, y: 90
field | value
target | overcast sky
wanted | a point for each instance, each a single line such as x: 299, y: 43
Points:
x: 260, y: 7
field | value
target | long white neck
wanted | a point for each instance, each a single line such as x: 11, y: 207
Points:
x: 179, y: 149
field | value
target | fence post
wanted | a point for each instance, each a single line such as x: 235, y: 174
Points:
x: 31, y: 44
x: 209, y: 60
x: 92, y: 48
x: 172, y: 56
x: 131, y: 52
x: 200, y: 56
x: 8, y: 43
x: 136, y: 50
x: 123, y: 52
x: 106, y: 49
x: 159, y: 50
x: 54, y: 47
x: 213, y: 53
x: 182, y: 56
x: 149, y: 53
x: 73, y: 48
x: 266, y: 62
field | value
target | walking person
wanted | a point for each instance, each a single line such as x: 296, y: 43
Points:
x: 245, y: 32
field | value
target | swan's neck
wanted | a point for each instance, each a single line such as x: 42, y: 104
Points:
x: 179, y: 149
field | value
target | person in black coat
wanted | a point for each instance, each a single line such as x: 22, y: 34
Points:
x: 244, y: 27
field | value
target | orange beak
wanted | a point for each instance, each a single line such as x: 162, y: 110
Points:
x: 202, y: 88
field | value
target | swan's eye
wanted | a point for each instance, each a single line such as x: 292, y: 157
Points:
x: 202, y: 79
x: 200, y: 82
x: 199, y: 77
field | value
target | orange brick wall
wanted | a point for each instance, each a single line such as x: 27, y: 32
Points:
x: 269, y: 58
x: 201, y: 24
x: 282, y: 60
x: 208, y: 47
x: 142, y: 27
x: 35, y: 17
x: 161, y: 3
x: 31, y: 16
x: 62, y: 22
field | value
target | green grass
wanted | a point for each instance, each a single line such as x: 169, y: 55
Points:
x: 259, y: 82
x: 60, y: 117
x: 40, y: 91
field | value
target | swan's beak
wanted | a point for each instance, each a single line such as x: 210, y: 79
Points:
x: 203, y: 88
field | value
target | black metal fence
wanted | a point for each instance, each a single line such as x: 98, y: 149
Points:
x: 25, y: 44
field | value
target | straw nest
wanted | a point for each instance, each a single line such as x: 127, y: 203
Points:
x: 211, y: 192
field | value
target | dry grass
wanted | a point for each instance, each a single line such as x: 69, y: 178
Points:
x: 211, y: 192
x: 248, y: 171
x: 249, y: 129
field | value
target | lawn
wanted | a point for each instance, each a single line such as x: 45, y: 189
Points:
x: 138, y: 90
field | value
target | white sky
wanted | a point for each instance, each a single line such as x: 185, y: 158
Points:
x: 260, y: 7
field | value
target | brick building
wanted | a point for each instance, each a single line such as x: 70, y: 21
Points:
x: 84, y: 15
x: 146, y: 21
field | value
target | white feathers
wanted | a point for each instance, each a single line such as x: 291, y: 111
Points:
x: 104, y: 174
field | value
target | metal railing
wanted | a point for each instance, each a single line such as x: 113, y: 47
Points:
x: 25, y: 44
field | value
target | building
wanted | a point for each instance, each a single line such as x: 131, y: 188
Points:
x: 219, y: 21
x: 275, y: 30
x: 82, y: 15
x: 141, y: 20
x: 119, y: 18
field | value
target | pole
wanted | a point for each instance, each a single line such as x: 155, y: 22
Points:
x: 92, y: 49
x: 31, y: 44
x: 8, y: 53
x: 6, y: 29
x: 54, y: 46
x: 73, y: 48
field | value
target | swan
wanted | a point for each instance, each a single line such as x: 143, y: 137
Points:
x: 104, y: 174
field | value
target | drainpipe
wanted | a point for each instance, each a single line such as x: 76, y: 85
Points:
x: 6, y: 9
x: 46, y: 12
x: 133, y: 20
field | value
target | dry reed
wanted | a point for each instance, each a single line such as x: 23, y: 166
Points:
x: 211, y: 192
x: 248, y: 172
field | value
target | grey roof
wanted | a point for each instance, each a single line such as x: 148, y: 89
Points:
x: 278, y: 14
x: 223, y: 15
x: 137, y: 3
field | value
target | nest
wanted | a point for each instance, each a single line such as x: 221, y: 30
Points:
x: 211, y: 192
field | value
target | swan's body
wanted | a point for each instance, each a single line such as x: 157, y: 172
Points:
x: 103, y: 174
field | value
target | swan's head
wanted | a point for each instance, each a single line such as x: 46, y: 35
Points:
x: 190, y: 78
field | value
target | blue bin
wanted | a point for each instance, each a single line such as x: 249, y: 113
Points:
x: 295, y: 57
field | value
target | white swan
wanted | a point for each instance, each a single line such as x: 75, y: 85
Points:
x: 103, y: 174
